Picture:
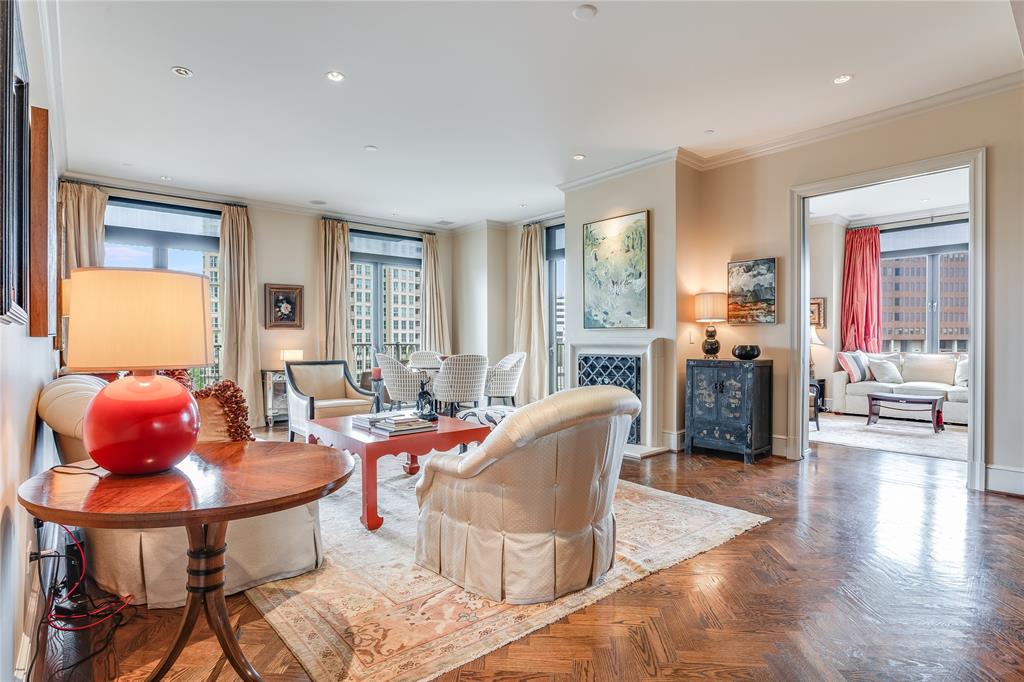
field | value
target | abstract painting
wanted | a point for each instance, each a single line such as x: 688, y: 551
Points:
x: 615, y: 273
x: 752, y: 291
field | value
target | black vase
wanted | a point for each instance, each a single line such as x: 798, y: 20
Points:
x: 746, y: 352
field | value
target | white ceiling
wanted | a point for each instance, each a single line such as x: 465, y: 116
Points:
x: 935, y: 194
x: 478, y: 107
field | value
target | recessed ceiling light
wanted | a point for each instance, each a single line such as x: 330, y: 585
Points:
x: 584, y: 12
x: 843, y: 78
x: 317, y: 202
x: 335, y: 76
x: 182, y: 71
x: 578, y: 157
x: 925, y: 201
x: 127, y: 165
x: 709, y: 131
x: 370, y: 147
x: 522, y: 205
x: 166, y: 177
x: 394, y: 213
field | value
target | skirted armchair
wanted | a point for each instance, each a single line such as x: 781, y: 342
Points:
x: 146, y: 563
x: 321, y: 388
x: 527, y: 516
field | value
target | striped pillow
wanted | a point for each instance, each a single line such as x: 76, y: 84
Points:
x: 856, y: 365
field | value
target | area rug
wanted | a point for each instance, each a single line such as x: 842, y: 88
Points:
x: 892, y: 435
x: 371, y: 614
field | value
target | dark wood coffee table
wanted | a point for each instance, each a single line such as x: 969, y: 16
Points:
x: 906, y: 403
x: 338, y: 432
x: 217, y: 483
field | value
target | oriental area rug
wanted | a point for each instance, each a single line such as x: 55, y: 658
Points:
x: 370, y: 613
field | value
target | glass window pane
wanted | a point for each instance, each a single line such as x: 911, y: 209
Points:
x: 399, y: 319
x: 185, y: 261
x: 954, y: 280
x: 162, y: 219
x: 394, y: 247
x: 904, y: 304
x: 127, y: 256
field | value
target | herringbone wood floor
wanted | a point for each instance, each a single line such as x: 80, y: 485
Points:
x: 875, y: 567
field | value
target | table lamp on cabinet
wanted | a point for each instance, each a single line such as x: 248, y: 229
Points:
x: 143, y: 321
x: 710, y: 307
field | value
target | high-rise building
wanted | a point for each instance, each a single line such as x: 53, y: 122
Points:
x: 398, y: 302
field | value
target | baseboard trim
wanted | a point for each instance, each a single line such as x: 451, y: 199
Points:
x: 673, y: 439
x: 635, y: 451
x: 1004, y: 479
x: 780, y: 445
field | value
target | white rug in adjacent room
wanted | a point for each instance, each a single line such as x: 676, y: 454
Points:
x: 892, y: 435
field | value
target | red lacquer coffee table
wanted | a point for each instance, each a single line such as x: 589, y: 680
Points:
x: 338, y: 432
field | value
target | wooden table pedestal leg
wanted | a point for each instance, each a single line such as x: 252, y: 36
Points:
x: 206, y: 548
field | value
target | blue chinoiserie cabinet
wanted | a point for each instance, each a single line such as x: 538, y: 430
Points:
x: 729, y: 406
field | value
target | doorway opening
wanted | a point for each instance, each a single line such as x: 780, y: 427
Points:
x: 891, y: 290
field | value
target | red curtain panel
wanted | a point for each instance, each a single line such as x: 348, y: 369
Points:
x: 861, y: 319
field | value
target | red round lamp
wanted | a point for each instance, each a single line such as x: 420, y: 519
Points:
x: 142, y: 320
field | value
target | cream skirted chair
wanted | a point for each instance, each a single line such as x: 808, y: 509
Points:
x: 403, y: 383
x: 424, y: 358
x: 321, y: 388
x: 460, y: 380
x: 527, y: 515
x: 148, y: 563
x: 503, y: 378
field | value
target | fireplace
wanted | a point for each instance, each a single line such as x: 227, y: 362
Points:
x: 614, y: 370
x: 634, y: 364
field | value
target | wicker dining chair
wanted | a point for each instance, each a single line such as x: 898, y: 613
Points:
x: 403, y: 383
x: 503, y: 378
x: 424, y: 358
x: 460, y: 381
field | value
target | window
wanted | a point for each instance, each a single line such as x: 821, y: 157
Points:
x: 382, y: 266
x: 146, y: 234
x: 554, y: 253
x: 925, y: 277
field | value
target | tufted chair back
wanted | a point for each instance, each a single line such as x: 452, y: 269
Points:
x: 527, y: 516
x: 62, y: 404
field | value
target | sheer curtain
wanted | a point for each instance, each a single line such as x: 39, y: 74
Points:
x: 531, y: 319
x: 240, y: 301
x: 436, y: 330
x: 81, y: 213
x: 332, y: 290
x: 861, y: 319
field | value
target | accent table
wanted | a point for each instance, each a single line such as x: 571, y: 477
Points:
x: 339, y: 432
x: 215, y: 484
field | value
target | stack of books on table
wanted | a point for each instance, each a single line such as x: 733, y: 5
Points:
x: 393, y: 423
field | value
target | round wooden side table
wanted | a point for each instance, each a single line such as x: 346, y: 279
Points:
x: 217, y: 483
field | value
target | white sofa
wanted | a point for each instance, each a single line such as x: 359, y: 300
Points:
x: 923, y: 374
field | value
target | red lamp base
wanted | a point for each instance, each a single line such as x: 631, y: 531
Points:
x: 141, y: 424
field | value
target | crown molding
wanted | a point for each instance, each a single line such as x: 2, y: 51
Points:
x: 49, y: 32
x: 674, y: 155
x: 965, y: 94
x: 208, y: 197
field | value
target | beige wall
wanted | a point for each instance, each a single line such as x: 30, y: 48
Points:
x: 826, y: 243
x: 654, y: 189
x: 286, y: 251
x: 745, y: 213
x: 482, y: 314
x: 26, y: 445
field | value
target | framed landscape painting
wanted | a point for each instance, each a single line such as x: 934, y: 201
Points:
x: 752, y: 289
x: 615, y: 273
x: 283, y: 309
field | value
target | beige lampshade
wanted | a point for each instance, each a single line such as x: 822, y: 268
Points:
x: 710, y: 307
x: 814, y: 338
x: 291, y: 355
x: 123, y: 318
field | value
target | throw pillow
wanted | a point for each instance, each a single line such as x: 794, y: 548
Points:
x: 963, y: 371
x: 856, y: 365
x: 885, y: 371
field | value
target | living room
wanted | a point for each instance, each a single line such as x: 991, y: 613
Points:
x: 280, y: 205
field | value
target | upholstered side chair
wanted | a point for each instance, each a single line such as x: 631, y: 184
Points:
x: 403, y: 383
x: 146, y: 563
x: 460, y: 381
x: 503, y: 378
x: 527, y: 515
x: 321, y: 388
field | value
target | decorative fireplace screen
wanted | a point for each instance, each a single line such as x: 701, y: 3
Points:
x: 615, y: 370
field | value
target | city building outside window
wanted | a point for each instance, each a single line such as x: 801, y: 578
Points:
x: 554, y: 254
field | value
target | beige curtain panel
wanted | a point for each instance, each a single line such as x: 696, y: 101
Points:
x: 332, y: 290
x: 240, y: 306
x: 81, y: 209
x: 531, y: 320
x: 436, y: 330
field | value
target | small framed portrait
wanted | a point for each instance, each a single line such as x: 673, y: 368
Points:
x: 283, y: 307
x: 818, y: 313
